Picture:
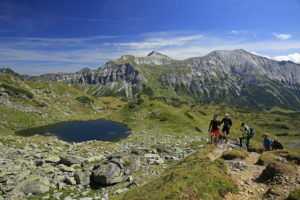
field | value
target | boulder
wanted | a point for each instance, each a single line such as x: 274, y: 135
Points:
x: 70, y: 160
x: 70, y: 180
x: 57, y: 195
x: 152, y: 156
x: 52, y: 159
x: 159, y: 161
x: 95, y: 158
x: 34, y: 185
x: 82, y: 178
x: 108, y: 174
x: 239, y: 165
x: 65, y: 168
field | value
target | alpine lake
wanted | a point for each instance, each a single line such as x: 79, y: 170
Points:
x: 81, y: 131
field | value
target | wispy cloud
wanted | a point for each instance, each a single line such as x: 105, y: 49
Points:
x: 282, y: 36
x: 237, y: 32
x: 120, y: 21
x: 154, y: 43
x: 60, y: 54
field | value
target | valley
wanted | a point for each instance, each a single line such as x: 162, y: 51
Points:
x: 167, y: 105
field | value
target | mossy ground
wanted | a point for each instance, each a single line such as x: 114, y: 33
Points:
x: 234, y: 154
x: 267, y: 158
x: 196, y: 177
x: 294, y: 195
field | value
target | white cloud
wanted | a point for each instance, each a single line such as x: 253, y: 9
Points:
x: 61, y: 54
x: 282, y: 36
x: 295, y: 57
x: 237, y: 32
x: 155, y: 43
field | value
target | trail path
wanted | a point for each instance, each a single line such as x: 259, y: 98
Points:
x: 244, y: 173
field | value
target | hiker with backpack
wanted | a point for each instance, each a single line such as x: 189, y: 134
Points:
x: 246, y: 133
x: 267, y: 142
x: 276, y: 144
x: 226, y: 126
x: 213, y: 129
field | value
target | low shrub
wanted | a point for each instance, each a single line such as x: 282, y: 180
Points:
x: 17, y: 91
x: 233, y: 154
x: 85, y: 100
x: 294, y: 194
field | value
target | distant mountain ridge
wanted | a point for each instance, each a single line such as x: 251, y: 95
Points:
x: 234, y: 77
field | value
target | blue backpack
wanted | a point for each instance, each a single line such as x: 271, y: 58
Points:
x: 251, y: 132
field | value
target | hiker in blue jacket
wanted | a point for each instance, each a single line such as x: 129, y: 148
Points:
x: 267, y: 142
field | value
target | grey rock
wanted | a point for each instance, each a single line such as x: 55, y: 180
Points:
x: 239, y: 165
x: 66, y: 168
x: 57, y: 195
x: 52, y: 159
x: 159, y: 161
x: 82, y: 178
x: 108, y: 174
x: 152, y: 156
x: 70, y: 160
x: 34, y: 186
x: 3, y: 179
x: 70, y: 180
x: 121, y: 190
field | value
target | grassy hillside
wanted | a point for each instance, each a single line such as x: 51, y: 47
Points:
x: 193, y: 178
x: 52, y: 102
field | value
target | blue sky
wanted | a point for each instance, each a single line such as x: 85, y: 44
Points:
x: 45, y: 36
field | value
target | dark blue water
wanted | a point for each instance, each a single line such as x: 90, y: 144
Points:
x: 79, y: 131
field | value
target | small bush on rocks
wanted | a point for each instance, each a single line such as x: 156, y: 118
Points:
x: 233, y: 154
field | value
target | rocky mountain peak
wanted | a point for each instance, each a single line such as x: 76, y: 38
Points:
x: 157, y: 55
x: 84, y: 70
x: 7, y: 71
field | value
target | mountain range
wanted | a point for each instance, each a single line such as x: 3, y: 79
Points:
x: 234, y: 77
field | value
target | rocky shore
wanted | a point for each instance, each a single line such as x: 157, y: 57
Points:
x: 54, y: 169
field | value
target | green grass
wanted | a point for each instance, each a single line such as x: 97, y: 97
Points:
x: 196, y: 177
x: 234, y: 154
x: 294, y: 194
x: 17, y: 91
x: 266, y: 158
x: 85, y: 100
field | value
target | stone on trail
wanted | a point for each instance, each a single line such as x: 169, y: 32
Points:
x: 239, y: 165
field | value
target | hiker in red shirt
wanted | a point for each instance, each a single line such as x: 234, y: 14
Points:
x: 214, y: 129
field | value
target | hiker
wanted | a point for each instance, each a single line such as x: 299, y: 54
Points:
x: 214, y: 129
x: 267, y: 142
x: 276, y: 144
x: 226, y: 126
x: 247, y: 133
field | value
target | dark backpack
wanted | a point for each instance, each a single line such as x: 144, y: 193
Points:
x: 251, y: 132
